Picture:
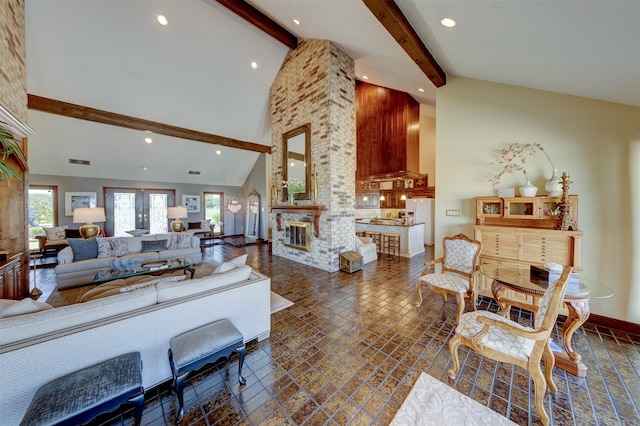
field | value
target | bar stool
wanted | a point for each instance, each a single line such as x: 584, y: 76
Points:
x: 391, y: 244
x: 376, y: 238
x: 361, y: 233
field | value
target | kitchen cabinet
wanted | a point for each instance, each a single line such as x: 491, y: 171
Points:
x: 368, y: 200
x: 12, y: 278
x: 411, y: 237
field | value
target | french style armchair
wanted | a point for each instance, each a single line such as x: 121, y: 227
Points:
x: 504, y: 340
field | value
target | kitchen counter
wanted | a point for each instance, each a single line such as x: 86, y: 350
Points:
x: 387, y: 222
x: 411, y: 236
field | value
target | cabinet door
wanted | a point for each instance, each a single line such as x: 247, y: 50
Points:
x: 488, y: 207
x: 521, y: 208
x: 360, y: 203
x: 374, y: 200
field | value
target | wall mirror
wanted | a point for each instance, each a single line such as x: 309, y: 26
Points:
x: 296, y: 159
x: 252, y: 227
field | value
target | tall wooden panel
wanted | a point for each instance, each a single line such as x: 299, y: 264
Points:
x: 387, y: 131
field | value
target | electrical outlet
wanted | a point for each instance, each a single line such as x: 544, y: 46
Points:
x: 453, y: 212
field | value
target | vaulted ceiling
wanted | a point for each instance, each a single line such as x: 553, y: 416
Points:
x: 195, y: 72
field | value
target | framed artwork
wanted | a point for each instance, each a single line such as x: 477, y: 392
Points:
x: 192, y: 203
x: 78, y: 199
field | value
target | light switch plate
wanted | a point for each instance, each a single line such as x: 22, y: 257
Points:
x: 453, y: 212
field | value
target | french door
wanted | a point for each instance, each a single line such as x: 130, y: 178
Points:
x: 134, y: 208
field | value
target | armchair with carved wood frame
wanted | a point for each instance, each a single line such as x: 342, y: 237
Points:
x: 458, y: 274
x: 503, y: 340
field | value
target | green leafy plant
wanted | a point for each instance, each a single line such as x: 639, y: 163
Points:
x: 9, y: 146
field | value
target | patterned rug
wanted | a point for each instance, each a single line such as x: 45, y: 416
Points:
x: 432, y: 402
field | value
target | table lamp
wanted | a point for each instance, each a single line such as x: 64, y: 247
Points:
x: 88, y: 215
x: 177, y: 213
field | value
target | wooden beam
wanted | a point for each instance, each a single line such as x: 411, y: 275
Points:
x: 105, y: 117
x: 262, y: 21
x: 391, y: 17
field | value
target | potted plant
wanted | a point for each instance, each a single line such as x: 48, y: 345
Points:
x: 9, y: 146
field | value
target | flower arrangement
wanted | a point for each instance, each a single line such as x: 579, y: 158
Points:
x: 293, y: 185
x: 514, y: 158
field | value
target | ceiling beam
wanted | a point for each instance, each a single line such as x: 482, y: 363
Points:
x: 262, y: 21
x: 391, y: 17
x: 67, y: 109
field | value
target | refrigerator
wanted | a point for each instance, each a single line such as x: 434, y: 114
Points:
x: 423, y: 211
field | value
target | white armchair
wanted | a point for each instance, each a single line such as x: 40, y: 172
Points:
x: 367, y: 249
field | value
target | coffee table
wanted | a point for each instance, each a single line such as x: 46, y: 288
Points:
x: 152, y: 267
x: 508, y: 275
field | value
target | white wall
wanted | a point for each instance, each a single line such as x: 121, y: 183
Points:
x: 598, y: 143
x: 428, y: 144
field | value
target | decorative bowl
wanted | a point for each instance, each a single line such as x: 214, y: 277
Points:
x: 138, y: 232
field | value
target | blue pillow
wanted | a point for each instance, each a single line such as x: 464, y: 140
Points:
x: 83, y: 249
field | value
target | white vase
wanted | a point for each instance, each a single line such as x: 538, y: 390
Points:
x: 553, y: 185
x: 528, y: 189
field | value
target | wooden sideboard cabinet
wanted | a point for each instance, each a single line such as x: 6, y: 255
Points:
x: 528, y: 212
x: 529, y: 246
x: 12, y: 279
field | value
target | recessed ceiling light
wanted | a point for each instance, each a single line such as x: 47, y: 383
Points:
x: 145, y: 168
x: 295, y: 21
x: 254, y: 65
x: 148, y: 140
x: 420, y: 89
x: 364, y: 77
x: 448, y: 22
x: 162, y: 20
x: 218, y: 152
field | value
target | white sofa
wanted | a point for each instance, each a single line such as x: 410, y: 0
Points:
x: 38, y: 347
x: 71, y: 273
x: 367, y: 249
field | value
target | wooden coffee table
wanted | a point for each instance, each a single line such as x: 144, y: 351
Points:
x: 152, y: 267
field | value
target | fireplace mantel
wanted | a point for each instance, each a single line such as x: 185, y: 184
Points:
x: 316, y: 211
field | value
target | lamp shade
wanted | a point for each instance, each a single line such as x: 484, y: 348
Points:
x: 178, y: 212
x: 88, y: 214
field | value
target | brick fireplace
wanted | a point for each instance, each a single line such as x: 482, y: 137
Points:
x: 316, y: 84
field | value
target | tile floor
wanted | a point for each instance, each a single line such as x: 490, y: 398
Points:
x: 350, y: 348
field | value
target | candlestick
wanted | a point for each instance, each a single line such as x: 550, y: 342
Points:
x: 565, y: 174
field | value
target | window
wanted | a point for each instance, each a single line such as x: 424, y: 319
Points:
x: 43, y: 211
x: 213, y: 202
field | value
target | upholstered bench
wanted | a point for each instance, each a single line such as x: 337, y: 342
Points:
x: 80, y: 396
x: 194, y: 349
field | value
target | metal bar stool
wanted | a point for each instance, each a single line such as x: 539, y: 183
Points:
x: 361, y: 233
x: 376, y: 238
x: 391, y: 244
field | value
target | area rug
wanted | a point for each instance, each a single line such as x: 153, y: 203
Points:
x: 279, y: 303
x: 432, y: 402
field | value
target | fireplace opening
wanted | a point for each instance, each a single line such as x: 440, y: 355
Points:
x: 297, y: 235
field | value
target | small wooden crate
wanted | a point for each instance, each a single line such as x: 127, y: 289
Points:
x: 350, y: 261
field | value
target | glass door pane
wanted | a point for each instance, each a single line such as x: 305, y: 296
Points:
x: 156, y: 211
x: 124, y: 213
x: 213, y: 202
x: 42, y: 211
x: 129, y: 208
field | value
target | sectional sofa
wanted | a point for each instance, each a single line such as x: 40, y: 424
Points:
x: 98, y: 253
x: 40, y: 346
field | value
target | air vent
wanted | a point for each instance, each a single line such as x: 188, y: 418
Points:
x: 194, y: 172
x: 82, y: 162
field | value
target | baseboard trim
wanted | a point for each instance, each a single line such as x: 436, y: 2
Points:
x: 621, y: 325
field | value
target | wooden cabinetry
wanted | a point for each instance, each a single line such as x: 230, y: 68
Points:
x: 367, y: 200
x: 529, y: 212
x: 528, y: 246
x: 12, y: 278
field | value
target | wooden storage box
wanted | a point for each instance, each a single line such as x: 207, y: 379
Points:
x: 350, y: 261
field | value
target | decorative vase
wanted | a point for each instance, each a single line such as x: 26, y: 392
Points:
x: 528, y: 190
x: 292, y: 201
x: 553, y: 185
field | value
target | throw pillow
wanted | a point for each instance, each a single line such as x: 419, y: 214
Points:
x: 226, y: 266
x: 194, y: 225
x: 56, y: 233
x: 180, y: 240
x: 104, y: 248
x: 239, y: 261
x: 24, y: 306
x: 153, y: 245
x: 205, y: 224
x: 83, y: 249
